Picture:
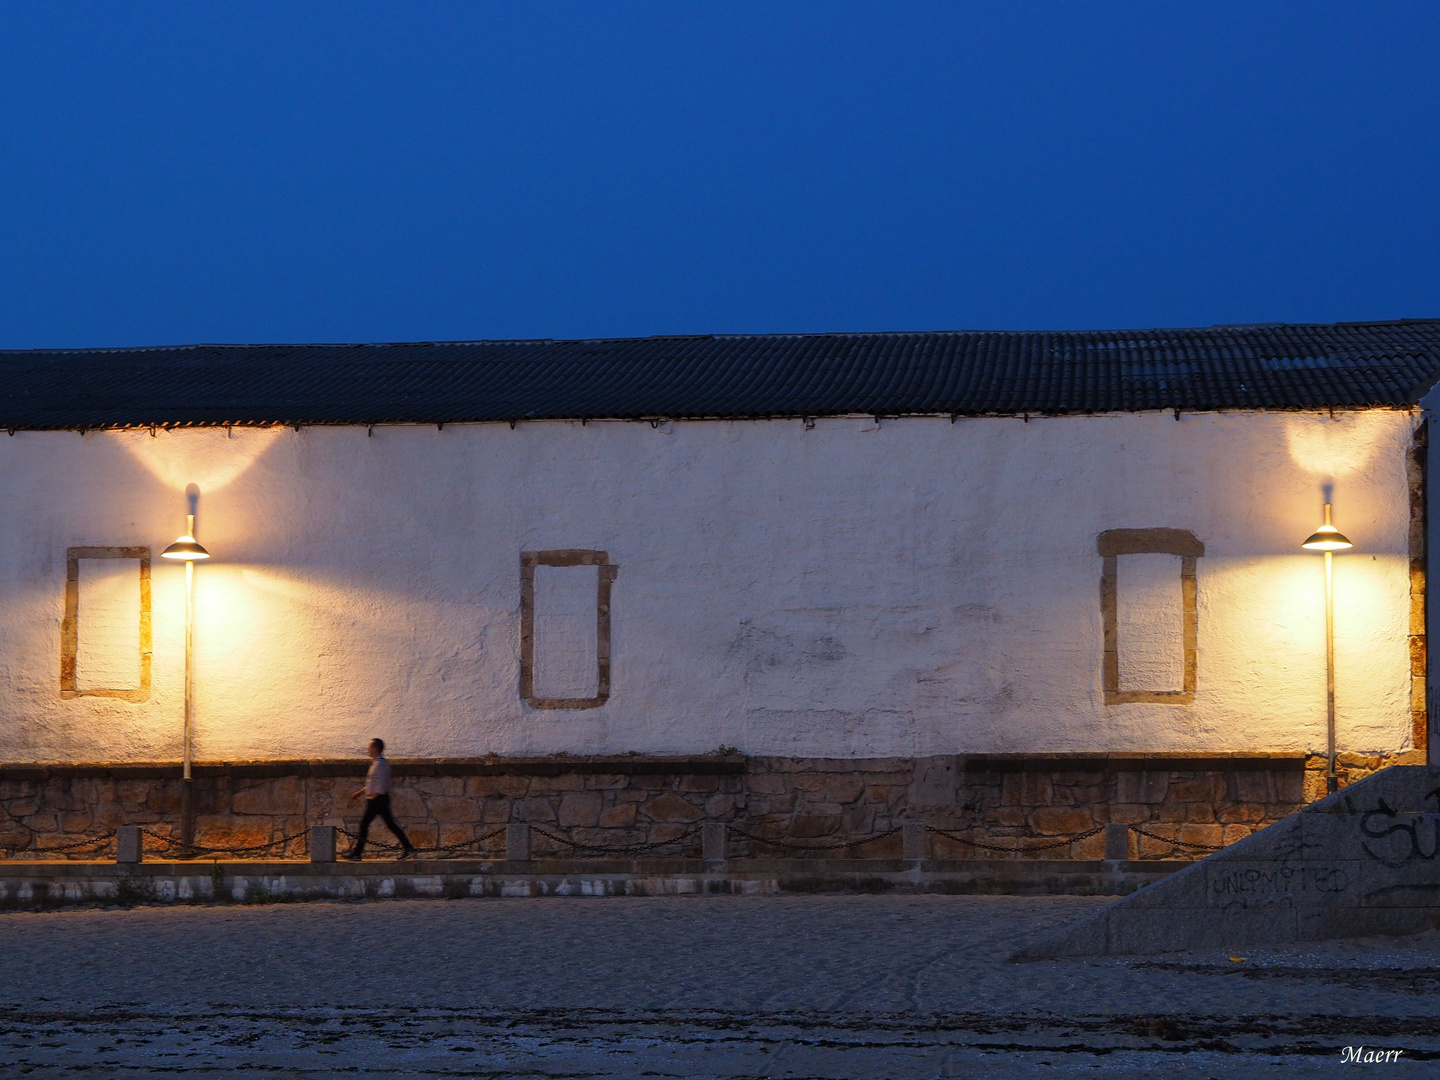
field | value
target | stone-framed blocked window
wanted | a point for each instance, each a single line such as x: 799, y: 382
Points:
x: 565, y: 628
x: 105, y: 640
x: 1147, y: 598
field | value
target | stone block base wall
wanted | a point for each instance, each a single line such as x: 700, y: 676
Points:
x: 1027, y: 803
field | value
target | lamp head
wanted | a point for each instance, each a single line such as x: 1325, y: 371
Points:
x: 186, y: 547
x: 1327, y: 537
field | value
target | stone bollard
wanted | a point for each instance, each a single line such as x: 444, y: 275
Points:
x: 1117, y: 843
x: 517, y: 842
x: 128, y: 848
x: 322, y: 843
x: 912, y: 836
x: 712, y: 844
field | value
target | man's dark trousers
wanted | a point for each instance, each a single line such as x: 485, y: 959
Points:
x: 379, y: 806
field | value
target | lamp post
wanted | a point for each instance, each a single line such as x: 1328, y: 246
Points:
x: 185, y: 548
x: 1329, y: 539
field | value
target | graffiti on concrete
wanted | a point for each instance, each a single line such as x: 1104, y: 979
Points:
x: 1401, y: 837
x: 1271, y: 885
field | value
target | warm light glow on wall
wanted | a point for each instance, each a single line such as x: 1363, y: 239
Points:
x: 227, y: 617
x: 1262, y: 641
x: 208, y: 457
x: 277, y: 642
x: 1338, y: 447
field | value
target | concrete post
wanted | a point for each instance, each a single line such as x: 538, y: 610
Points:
x: 322, y: 843
x: 517, y: 842
x: 712, y: 844
x: 912, y: 835
x: 127, y: 844
x: 1117, y: 842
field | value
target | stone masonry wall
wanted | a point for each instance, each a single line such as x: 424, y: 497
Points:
x: 1010, y: 802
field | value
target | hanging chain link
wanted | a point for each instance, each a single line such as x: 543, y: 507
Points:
x: 609, y: 849
x: 1062, y: 842
x: 1176, y: 842
x: 441, y: 851
x: 833, y: 845
x: 97, y: 842
x: 205, y: 851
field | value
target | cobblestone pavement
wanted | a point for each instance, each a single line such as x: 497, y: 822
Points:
x: 724, y: 987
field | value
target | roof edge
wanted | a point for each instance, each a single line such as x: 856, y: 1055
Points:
x: 773, y: 336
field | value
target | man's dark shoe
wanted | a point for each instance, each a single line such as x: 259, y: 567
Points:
x: 408, y: 853
x: 352, y: 856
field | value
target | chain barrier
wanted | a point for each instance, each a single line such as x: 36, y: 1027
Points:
x: 173, y: 848
x: 627, y: 849
x: 1063, y: 842
x: 98, y: 843
x: 790, y: 845
x: 441, y: 851
x: 201, y: 851
x: 1176, y: 842
x: 84, y: 841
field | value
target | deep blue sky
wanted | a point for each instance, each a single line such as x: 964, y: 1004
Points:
x: 174, y: 173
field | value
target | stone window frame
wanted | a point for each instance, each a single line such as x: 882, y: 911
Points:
x: 606, y: 574
x: 70, y: 624
x: 1113, y: 543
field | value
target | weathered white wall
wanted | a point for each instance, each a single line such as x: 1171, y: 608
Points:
x: 917, y: 588
x: 107, y: 654
x: 1150, y: 624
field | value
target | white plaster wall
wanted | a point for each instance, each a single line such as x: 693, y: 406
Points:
x: 1430, y: 404
x: 107, y: 654
x: 917, y: 588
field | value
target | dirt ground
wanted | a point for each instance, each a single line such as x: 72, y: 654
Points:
x: 725, y: 987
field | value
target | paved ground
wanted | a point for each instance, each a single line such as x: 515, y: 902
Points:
x: 722, y: 987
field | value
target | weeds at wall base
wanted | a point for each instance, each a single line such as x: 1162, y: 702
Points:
x: 130, y: 891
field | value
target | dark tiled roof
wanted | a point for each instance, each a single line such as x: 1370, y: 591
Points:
x: 962, y: 373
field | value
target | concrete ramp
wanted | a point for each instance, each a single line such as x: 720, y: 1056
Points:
x: 1357, y: 863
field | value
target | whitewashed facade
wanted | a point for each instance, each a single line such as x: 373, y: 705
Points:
x: 838, y: 587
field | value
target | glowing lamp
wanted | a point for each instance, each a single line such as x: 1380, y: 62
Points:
x: 1325, y: 538
x: 186, y: 548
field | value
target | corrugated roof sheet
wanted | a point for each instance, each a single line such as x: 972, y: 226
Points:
x: 960, y: 373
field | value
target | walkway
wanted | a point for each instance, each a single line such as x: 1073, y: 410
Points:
x: 842, y: 987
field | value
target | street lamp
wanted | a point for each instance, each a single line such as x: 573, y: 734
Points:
x: 1329, y: 539
x: 187, y: 549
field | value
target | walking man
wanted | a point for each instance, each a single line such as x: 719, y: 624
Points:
x: 377, y: 803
